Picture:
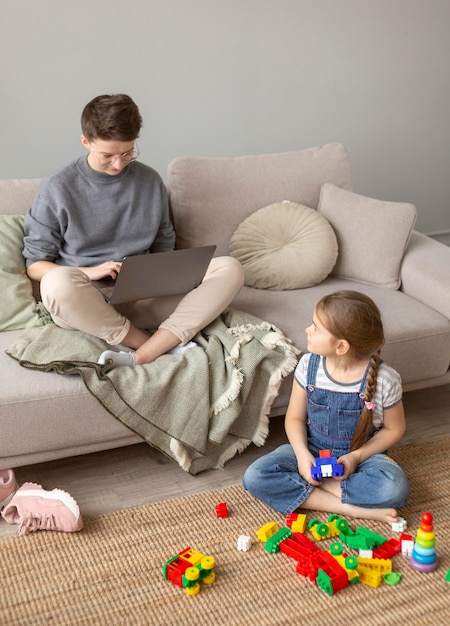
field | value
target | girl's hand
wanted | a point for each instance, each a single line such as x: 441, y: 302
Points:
x: 350, y: 462
x: 305, y: 464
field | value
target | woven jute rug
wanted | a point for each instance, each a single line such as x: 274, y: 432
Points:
x: 111, y: 572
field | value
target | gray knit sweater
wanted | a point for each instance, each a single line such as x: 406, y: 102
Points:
x: 82, y: 218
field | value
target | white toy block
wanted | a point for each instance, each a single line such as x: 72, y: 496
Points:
x: 400, y: 526
x: 366, y: 554
x: 244, y: 543
x: 407, y: 547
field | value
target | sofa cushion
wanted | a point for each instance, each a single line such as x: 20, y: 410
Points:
x: 16, y: 195
x: 210, y: 197
x: 417, y: 337
x: 18, y: 308
x: 45, y: 416
x: 284, y: 246
x: 372, y: 235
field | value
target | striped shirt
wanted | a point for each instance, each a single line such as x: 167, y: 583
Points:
x: 388, y: 392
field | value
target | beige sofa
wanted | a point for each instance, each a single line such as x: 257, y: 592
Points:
x: 44, y: 416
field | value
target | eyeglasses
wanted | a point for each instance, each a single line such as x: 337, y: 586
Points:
x: 126, y: 157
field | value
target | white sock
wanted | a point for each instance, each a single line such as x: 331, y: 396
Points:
x: 118, y: 358
x: 181, y: 349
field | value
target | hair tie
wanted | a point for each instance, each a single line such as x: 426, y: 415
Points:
x: 369, y: 405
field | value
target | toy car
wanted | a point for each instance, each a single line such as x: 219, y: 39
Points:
x: 188, y: 568
x: 326, y: 466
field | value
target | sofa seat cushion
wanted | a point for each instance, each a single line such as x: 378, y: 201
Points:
x: 64, y: 419
x: 415, y: 334
x: 372, y: 235
x: 284, y: 246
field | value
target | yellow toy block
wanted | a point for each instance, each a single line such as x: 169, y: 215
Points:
x: 192, y: 556
x: 370, y: 578
x: 267, y: 531
x: 381, y: 566
x: 352, y: 574
x: 324, y: 530
x: 299, y: 525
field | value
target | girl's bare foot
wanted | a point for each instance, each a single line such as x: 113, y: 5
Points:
x: 322, y: 500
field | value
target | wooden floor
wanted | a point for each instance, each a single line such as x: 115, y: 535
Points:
x: 116, y: 479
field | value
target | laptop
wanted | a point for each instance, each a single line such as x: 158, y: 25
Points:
x: 157, y: 274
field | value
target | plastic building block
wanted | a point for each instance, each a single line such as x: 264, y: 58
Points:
x: 303, y: 540
x: 354, y: 541
x: 244, y: 543
x: 267, y: 531
x: 299, y: 525
x: 423, y: 557
x: 400, y: 526
x: 372, y: 538
x: 393, y: 578
x: 382, y: 566
x: 349, y: 563
x: 188, y: 568
x: 320, y: 567
x: 361, y: 539
x: 221, y: 509
x: 407, y: 544
x: 447, y: 576
x: 298, y: 547
x: 370, y: 578
x: 273, y: 543
x: 366, y: 554
x: 307, y: 552
x: 331, y: 577
x: 372, y: 571
x: 321, y: 530
x: 291, y: 517
x: 388, y: 549
x: 296, y: 522
x: 326, y: 466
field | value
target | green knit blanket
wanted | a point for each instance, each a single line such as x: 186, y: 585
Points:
x: 200, y: 407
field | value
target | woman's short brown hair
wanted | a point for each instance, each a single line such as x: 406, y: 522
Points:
x: 111, y: 117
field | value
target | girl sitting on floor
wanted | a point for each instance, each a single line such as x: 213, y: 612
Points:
x: 347, y: 400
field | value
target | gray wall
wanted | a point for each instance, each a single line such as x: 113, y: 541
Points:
x: 233, y: 77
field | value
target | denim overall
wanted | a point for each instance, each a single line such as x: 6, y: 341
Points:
x: 332, y: 415
x: 378, y: 481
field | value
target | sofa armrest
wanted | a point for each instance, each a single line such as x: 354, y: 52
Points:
x: 425, y: 272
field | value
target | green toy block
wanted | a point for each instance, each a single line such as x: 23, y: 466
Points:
x: 372, y: 538
x: 272, y: 545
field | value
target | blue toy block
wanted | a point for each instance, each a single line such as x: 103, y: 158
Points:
x: 326, y: 466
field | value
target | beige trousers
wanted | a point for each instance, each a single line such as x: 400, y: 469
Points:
x: 73, y: 303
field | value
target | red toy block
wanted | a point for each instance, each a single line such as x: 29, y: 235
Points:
x: 331, y: 577
x: 305, y: 541
x: 296, y: 549
x: 291, y: 517
x: 388, y: 549
x: 221, y: 509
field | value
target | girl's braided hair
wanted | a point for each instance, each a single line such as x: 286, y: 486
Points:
x: 353, y: 316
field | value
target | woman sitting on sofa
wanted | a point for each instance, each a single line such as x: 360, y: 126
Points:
x: 92, y: 213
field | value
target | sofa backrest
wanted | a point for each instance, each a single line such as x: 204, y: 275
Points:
x: 210, y: 197
x: 16, y: 195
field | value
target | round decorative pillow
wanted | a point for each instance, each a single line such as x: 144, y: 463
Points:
x: 284, y: 246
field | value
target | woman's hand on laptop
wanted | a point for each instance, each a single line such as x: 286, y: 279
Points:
x: 109, y: 268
